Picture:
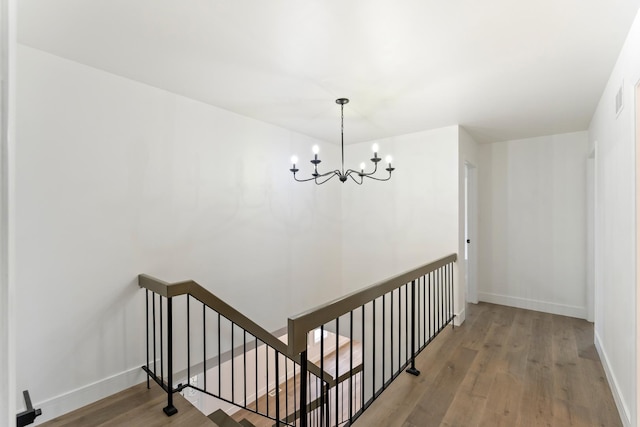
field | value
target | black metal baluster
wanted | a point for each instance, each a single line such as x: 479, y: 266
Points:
x: 303, y: 389
x: 445, y: 299
x: 337, y: 371
x: 447, y: 292
x: 373, y: 353
x: 351, y: 366
x: 286, y: 388
x: 391, y: 330
x: 431, y: 318
x: 322, y: 402
x: 155, y: 358
x: 219, y: 358
x: 412, y: 370
x: 327, y: 408
x: 256, y: 393
x: 169, y: 409
x: 442, y: 298
x: 161, y: 346
x: 406, y: 324
x: 146, y: 322
x: 442, y: 314
x: 244, y: 365
x: 277, y: 389
x: 437, y: 300
x: 315, y: 411
x: 362, y: 359
x: 266, y: 350
x: 384, y: 340
x: 420, y: 313
x: 399, y: 330
x: 451, y: 299
x: 295, y: 388
x: 188, y: 343
x: 204, y: 344
x: 233, y: 371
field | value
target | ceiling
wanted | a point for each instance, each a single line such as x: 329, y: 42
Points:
x: 504, y: 69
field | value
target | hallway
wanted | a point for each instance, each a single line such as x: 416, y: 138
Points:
x: 504, y: 367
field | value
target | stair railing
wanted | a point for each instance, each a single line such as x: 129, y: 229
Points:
x: 386, y: 325
x: 248, y: 350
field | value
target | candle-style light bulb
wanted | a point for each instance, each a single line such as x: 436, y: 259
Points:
x: 315, y: 149
x: 375, y: 148
x: 362, y: 166
x: 294, y: 160
x: 388, y: 159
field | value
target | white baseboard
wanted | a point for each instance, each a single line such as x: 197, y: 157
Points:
x: 623, y: 410
x: 531, y: 304
x: 460, y: 317
x: 74, y: 399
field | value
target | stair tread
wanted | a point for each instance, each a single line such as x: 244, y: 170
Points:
x: 245, y: 423
x: 223, y: 420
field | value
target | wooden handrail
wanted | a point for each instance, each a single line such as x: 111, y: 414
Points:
x: 300, y: 325
x: 190, y: 287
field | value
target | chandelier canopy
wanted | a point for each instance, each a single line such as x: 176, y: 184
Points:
x: 357, y: 176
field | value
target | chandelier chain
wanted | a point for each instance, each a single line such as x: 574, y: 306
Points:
x: 342, y: 133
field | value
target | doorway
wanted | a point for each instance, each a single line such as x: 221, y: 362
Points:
x: 470, y: 231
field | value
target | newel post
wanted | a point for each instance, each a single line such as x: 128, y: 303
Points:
x: 412, y: 370
x: 170, y: 409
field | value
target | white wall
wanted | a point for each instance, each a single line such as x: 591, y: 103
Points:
x: 390, y: 227
x: 533, y: 223
x: 615, y: 222
x: 115, y: 178
x: 7, y: 235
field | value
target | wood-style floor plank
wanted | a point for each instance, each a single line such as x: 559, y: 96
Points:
x: 135, y: 406
x: 513, y: 368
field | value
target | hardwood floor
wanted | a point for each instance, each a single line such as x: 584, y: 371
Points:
x: 503, y: 367
x: 135, y: 406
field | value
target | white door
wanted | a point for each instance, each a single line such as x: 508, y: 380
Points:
x: 470, y: 233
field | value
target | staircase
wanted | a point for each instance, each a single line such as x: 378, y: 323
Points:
x: 334, y: 362
x: 223, y: 420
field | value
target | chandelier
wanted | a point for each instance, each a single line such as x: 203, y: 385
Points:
x: 357, y: 176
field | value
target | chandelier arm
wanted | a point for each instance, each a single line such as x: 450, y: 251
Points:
x: 355, y: 180
x: 380, y: 179
x: 333, y: 174
x: 316, y: 177
x: 367, y: 174
x: 375, y: 169
x: 320, y: 175
x: 303, y: 180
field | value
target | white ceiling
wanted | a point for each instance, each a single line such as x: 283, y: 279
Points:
x: 504, y: 69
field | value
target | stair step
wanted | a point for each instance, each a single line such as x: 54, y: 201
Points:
x: 222, y: 419
x: 246, y: 423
